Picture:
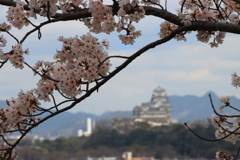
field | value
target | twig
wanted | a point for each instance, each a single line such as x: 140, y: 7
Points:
x: 182, y: 6
x: 12, y: 36
x: 237, y: 153
x: 54, y: 101
x: 3, y: 62
x: 221, y: 115
x: 48, y: 10
x: 42, y: 75
x: 210, y: 140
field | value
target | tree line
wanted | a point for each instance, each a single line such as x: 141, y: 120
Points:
x: 165, y: 141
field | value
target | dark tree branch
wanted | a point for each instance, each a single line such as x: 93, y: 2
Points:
x: 164, y: 14
x: 210, y: 140
x: 2, y: 63
x: 150, y: 11
x: 220, y: 115
x: 237, y: 153
x: 42, y: 75
x: 12, y: 3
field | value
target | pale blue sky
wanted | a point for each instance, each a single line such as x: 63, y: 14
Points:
x: 182, y: 68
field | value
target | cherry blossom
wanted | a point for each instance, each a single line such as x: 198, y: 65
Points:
x: 17, y: 16
x: 15, y: 56
x: 221, y: 155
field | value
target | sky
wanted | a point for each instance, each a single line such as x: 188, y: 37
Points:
x: 181, y: 68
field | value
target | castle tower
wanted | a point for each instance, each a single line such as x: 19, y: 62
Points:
x: 157, y: 111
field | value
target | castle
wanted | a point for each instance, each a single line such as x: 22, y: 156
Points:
x: 157, y: 111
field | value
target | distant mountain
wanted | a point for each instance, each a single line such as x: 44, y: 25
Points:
x: 184, y: 108
x: 119, y: 114
x: 190, y: 108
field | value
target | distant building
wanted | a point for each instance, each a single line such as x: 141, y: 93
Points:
x: 102, y: 158
x: 90, y: 127
x: 37, y: 137
x: 128, y: 156
x: 157, y: 111
x: 80, y: 133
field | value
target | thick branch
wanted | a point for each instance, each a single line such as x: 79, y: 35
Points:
x: 214, y: 26
x: 162, y: 13
x: 11, y: 3
x: 168, y: 16
x: 150, y: 11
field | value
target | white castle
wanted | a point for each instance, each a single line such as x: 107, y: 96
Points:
x: 157, y: 111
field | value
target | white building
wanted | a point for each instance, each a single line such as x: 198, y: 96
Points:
x: 157, y: 111
x: 102, y: 158
x: 90, y: 127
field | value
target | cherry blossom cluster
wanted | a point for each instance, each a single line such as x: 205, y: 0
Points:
x: 129, y: 38
x: 196, y: 11
x: 204, y: 36
x: 104, y: 21
x: 71, y: 5
x: 221, y: 155
x: 19, y: 107
x: 4, y: 27
x: 3, y: 41
x: 229, y: 133
x: 232, y: 8
x: 45, y: 87
x: 218, y: 38
x: 43, y: 8
x: 166, y: 28
x: 226, y: 102
x: 4, y: 153
x: 235, y: 80
x: 129, y: 12
x: 225, y: 99
x: 209, y: 10
x: 17, y: 16
x: 133, y: 10
x: 81, y: 60
x: 89, y: 57
x: 17, y: 116
x: 15, y: 56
